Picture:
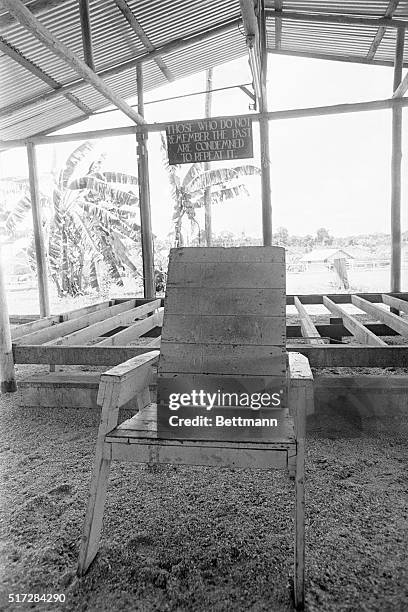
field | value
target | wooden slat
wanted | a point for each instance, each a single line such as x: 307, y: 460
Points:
x: 229, y: 275
x: 199, y: 455
x: 97, y: 329
x: 309, y: 330
x: 224, y: 329
x: 133, y: 332
x: 263, y: 302
x: 395, y: 302
x: 56, y: 331
x: 361, y: 333
x: 226, y: 359
x: 392, y: 320
x: 228, y: 255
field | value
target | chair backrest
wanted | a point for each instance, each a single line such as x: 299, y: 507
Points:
x: 224, y: 320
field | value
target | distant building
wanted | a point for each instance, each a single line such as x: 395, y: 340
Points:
x: 322, y: 259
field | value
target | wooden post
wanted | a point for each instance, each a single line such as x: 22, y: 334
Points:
x: 264, y: 135
x: 144, y: 197
x: 396, y: 169
x: 42, y: 276
x: 7, y: 378
x: 207, y: 165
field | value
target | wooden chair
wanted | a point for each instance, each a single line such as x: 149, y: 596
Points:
x: 224, y: 327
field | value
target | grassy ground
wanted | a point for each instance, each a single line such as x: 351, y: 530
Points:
x: 202, y: 539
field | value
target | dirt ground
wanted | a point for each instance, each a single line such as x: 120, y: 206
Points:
x: 200, y: 539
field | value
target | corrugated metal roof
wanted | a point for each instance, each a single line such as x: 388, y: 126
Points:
x: 24, y: 112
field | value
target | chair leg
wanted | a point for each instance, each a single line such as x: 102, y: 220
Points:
x: 94, y: 514
x: 299, y: 569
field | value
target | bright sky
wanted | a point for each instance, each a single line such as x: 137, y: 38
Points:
x: 327, y: 171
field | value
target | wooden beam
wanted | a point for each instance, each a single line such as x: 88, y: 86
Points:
x: 40, y: 251
x: 392, y: 320
x: 175, y: 45
x: 333, y: 57
x: 141, y: 34
x: 264, y: 133
x: 349, y: 356
x: 149, y: 283
x: 134, y: 331
x: 77, y: 355
x: 391, y: 8
x: 86, y: 32
x: 37, y: 7
x: 396, y: 160
x: 396, y: 303
x: 36, y: 28
x: 18, y: 57
x: 7, y: 376
x: 361, y: 333
x: 309, y: 330
x: 128, y: 316
x: 296, y: 113
x: 278, y: 24
x: 207, y: 164
x: 335, y: 18
x: 54, y: 332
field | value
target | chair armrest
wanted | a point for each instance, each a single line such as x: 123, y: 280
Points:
x: 123, y: 382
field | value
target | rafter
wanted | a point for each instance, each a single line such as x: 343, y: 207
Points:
x: 37, y: 7
x: 348, y: 19
x: 391, y: 8
x: 86, y: 32
x: 170, y: 47
x: 141, y: 34
x: 16, y: 55
x: 278, y: 24
x: 36, y: 28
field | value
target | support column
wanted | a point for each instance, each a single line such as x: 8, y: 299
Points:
x: 7, y: 377
x: 264, y: 134
x: 42, y: 273
x: 207, y: 165
x: 396, y: 169
x: 144, y: 197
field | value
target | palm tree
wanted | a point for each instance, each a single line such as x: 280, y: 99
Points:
x: 90, y: 222
x: 190, y: 192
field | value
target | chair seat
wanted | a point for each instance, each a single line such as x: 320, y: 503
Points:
x: 266, y: 451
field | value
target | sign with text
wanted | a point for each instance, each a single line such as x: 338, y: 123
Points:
x: 208, y: 140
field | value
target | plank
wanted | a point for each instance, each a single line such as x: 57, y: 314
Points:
x: 340, y: 298
x: 56, y: 330
x: 95, y: 330
x: 223, y: 359
x: 155, y: 343
x: 221, y: 329
x: 392, y: 320
x: 395, y: 302
x: 361, y: 333
x: 77, y: 355
x: 309, y: 330
x: 227, y: 275
x: 199, y: 455
x: 134, y: 331
x: 247, y: 254
x: 263, y: 302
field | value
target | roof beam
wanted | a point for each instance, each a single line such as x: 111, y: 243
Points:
x: 278, y: 24
x: 35, y: 27
x: 174, y: 45
x: 86, y: 32
x: 141, y: 34
x: 391, y: 8
x: 37, y: 7
x: 295, y: 113
x: 332, y: 57
x: 9, y: 50
x: 335, y: 18
x: 252, y: 40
